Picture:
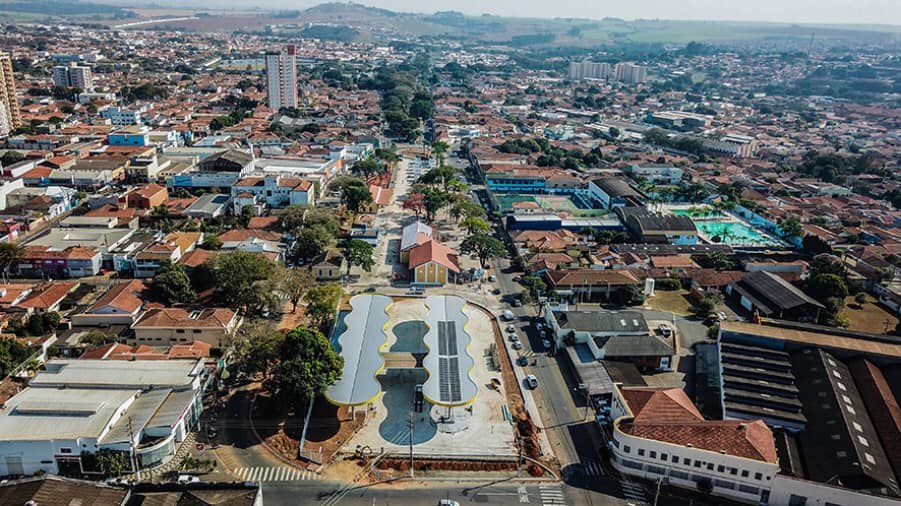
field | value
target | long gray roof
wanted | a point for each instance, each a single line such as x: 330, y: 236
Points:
x: 361, y: 347
x: 448, y: 361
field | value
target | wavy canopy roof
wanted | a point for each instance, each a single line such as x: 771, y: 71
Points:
x: 448, y: 362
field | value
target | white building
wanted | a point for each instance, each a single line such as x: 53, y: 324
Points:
x: 658, y: 433
x: 630, y: 73
x: 281, y: 78
x: 73, y: 76
x: 121, y: 117
x: 276, y: 191
x: 76, y: 408
x: 589, y: 70
x: 658, y: 173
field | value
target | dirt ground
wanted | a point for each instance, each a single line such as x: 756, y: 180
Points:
x: 330, y: 427
x: 869, y: 317
x: 671, y: 301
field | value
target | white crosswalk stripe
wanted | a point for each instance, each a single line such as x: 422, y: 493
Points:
x: 551, y: 496
x: 267, y: 473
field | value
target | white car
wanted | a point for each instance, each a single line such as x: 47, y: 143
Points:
x: 186, y: 479
x: 722, y: 316
x: 532, y: 381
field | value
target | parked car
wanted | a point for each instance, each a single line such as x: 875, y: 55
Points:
x: 509, y: 316
x: 665, y: 330
x: 185, y: 479
x: 514, y: 338
x: 516, y: 303
x: 546, y: 343
x: 532, y: 381
x: 448, y: 502
x: 492, y: 278
x: 722, y: 316
x: 496, y: 291
x: 517, y: 345
x: 510, y: 328
x: 522, y: 361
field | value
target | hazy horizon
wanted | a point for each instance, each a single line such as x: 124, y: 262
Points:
x: 883, y: 12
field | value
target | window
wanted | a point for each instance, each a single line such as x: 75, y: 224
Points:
x: 663, y: 457
x: 675, y: 459
x: 841, y: 386
x: 180, y: 331
x: 627, y: 449
x: 857, y: 427
x: 869, y: 458
x: 681, y: 475
x: 653, y: 454
x: 710, y: 466
x: 656, y: 469
x: 721, y: 468
x: 748, y: 489
x: 744, y: 473
x: 733, y: 471
x: 758, y: 476
x: 65, y: 450
x: 851, y: 410
x: 686, y: 461
x: 631, y: 464
x: 797, y: 500
x: 641, y: 452
x: 724, y: 484
x: 863, y: 441
x: 197, y: 331
x: 698, y: 463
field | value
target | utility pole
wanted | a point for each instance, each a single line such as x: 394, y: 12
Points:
x: 131, y: 451
x: 410, y: 426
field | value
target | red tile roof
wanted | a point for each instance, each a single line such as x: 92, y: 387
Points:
x: 180, y: 318
x: 669, y: 416
x: 434, y: 251
x: 124, y: 296
x: 48, y: 295
x: 243, y: 235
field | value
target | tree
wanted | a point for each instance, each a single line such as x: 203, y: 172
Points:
x: 11, y: 157
x: 824, y: 286
x: 173, y: 285
x: 440, y: 148
x: 433, y: 200
x: 292, y: 218
x: 468, y: 209
x: 295, y: 283
x: 415, y: 202
x: 860, y: 298
x: 236, y: 274
x: 791, y: 228
x: 12, y: 353
x: 442, y: 175
x: 308, y: 366
x: 484, y: 247
x: 368, y: 167
x: 98, y: 338
x: 354, y: 192
x: 322, y: 302
x: 211, y: 242
x: 258, y: 351
x: 614, y: 132
x: 111, y: 462
x: 813, y: 245
x: 10, y: 254
x: 358, y: 252
x: 247, y: 213
x: 475, y: 226
x: 312, y: 241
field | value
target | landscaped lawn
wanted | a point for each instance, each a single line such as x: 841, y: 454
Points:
x: 673, y: 301
x: 869, y: 317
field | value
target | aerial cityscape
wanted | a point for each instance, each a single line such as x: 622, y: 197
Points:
x: 347, y: 254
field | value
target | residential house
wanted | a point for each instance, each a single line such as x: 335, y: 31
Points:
x: 411, y: 236
x: 147, y: 196
x: 592, y: 285
x: 168, y: 326
x: 70, y: 262
x: 120, y: 305
x: 328, y: 266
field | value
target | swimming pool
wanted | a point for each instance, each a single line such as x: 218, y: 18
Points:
x: 732, y: 232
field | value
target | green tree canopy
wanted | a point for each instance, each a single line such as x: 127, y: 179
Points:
x: 322, y: 303
x: 475, y: 226
x: 236, y: 274
x: 484, y: 247
x: 308, y: 366
x: 358, y: 252
x: 172, y: 285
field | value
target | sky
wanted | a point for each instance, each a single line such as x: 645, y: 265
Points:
x: 792, y: 11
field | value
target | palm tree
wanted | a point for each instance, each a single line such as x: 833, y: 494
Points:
x: 10, y: 254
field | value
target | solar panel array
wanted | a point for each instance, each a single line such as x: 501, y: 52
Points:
x: 448, y: 363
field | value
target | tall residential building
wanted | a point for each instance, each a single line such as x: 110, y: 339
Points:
x: 281, y: 78
x: 630, y: 73
x: 73, y: 76
x: 589, y: 70
x: 9, y: 108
